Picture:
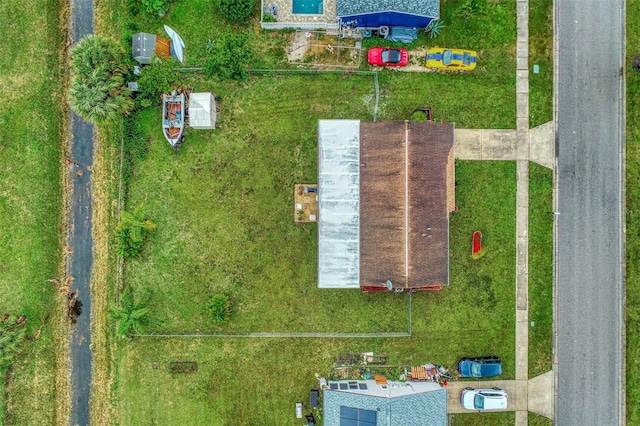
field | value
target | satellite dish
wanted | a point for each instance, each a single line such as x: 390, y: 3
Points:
x: 389, y: 285
x: 178, y: 43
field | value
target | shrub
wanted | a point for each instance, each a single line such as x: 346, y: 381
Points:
x: 635, y: 63
x: 12, y: 339
x: 236, y: 10
x: 132, y: 316
x: 154, y: 80
x: 470, y: 8
x: 219, y: 306
x: 132, y: 231
x: 434, y: 28
x: 156, y: 7
x: 267, y: 17
x: 228, y: 56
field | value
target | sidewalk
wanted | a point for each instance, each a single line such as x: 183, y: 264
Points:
x: 521, y: 145
x: 501, y: 144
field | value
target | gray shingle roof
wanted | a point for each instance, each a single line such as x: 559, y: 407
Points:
x: 429, y: 8
x: 419, y: 409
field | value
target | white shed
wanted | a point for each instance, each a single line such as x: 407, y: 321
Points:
x: 202, y: 111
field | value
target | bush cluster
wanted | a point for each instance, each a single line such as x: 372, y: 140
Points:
x: 219, y: 307
x: 228, y: 56
x: 156, y: 7
x: 236, y: 10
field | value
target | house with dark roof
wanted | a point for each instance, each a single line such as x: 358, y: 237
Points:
x: 385, y: 192
x: 365, y: 403
x: 376, y: 13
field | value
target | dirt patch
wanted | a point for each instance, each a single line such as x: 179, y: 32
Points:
x: 324, y: 50
x: 298, y: 49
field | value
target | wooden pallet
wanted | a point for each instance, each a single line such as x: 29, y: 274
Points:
x: 418, y: 373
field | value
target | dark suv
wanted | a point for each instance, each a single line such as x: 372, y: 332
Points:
x: 487, y: 366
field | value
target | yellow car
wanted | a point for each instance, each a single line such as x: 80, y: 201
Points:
x: 451, y: 59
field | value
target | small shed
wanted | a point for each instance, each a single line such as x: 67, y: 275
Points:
x: 376, y: 13
x: 202, y: 111
x: 144, y: 46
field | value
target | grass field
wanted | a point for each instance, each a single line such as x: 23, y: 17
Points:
x: 474, y: 315
x: 541, y: 54
x: 225, y: 223
x: 540, y: 270
x: 30, y: 195
x: 633, y: 216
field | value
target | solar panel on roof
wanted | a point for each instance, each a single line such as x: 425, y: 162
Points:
x: 344, y: 386
x: 363, y: 386
x: 333, y: 385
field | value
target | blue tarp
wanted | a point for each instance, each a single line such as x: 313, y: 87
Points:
x: 402, y: 34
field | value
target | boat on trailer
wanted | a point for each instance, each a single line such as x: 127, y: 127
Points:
x: 173, y: 109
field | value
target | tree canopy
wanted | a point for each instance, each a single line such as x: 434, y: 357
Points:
x: 227, y: 57
x: 98, y: 91
x: 154, y: 80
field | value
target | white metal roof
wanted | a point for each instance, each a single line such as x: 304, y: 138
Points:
x: 202, y: 111
x: 339, y: 204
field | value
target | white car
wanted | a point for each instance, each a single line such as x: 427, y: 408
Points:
x: 483, y: 399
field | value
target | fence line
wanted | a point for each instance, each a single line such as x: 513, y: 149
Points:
x: 376, y: 85
x: 120, y: 261
x: 299, y: 25
x: 298, y: 334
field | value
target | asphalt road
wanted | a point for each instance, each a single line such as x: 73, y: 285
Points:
x: 80, y: 239
x: 589, y: 227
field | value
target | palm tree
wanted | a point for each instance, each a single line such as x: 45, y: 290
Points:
x: 132, y: 317
x: 98, y: 92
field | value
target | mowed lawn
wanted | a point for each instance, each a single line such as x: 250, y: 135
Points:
x: 540, y: 54
x: 540, y: 269
x: 224, y: 209
x: 225, y: 214
x: 484, y: 98
x: 30, y: 196
x: 633, y: 216
x: 257, y: 381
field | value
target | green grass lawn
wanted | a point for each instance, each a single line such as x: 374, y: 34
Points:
x: 474, y: 315
x: 541, y: 54
x: 224, y: 209
x: 538, y: 420
x: 483, y: 98
x: 633, y: 216
x: 30, y: 195
x: 540, y: 269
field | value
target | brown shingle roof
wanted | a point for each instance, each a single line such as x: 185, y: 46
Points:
x: 404, y: 213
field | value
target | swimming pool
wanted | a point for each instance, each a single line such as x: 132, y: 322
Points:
x: 307, y: 6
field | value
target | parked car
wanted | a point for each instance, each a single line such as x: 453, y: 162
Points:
x: 484, y: 399
x: 388, y: 57
x: 451, y: 59
x: 487, y: 366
